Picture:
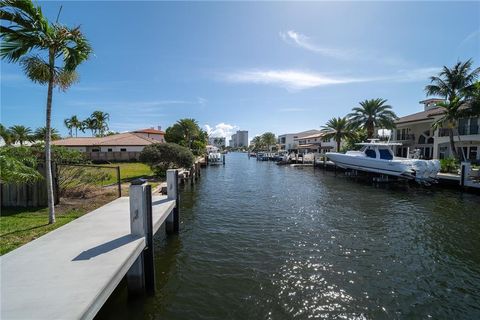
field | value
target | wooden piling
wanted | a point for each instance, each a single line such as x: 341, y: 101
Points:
x: 172, y: 223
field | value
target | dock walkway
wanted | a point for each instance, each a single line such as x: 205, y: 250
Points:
x: 70, y: 272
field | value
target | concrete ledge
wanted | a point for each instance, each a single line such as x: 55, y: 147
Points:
x: 70, y: 272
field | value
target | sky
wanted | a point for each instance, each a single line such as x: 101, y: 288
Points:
x: 272, y: 66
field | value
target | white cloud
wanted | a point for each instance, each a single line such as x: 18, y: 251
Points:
x: 294, y: 80
x: 300, y: 40
x: 290, y: 79
x: 201, y: 101
x: 303, y: 41
x: 222, y: 129
x: 412, y: 75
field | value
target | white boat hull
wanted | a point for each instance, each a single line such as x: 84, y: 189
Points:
x: 420, y: 170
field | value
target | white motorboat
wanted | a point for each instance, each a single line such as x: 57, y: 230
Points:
x: 215, y: 158
x: 378, y: 157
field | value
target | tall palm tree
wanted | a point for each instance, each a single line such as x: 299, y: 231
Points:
x: 373, y: 113
x: 21, y: 133
x: 101, y: 121
x: 76, y: 124
x: 456, y: 85
x: 6, y: 135
x: 26, y: 35
x: 339, y: 129
x: 69, y: 126
x: 41, y: 134
x: 268, y: 139
x: 90, y: 124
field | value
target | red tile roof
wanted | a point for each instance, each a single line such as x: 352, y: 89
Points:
x: 419, y: 116
x: 121, y: 139
x: 151, y: 131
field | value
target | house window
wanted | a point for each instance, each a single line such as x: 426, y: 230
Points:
x: 430, y: 140
x: 123, y: 149
x: 472, y: 155
x: 421, y: 140
x: 442, y: 152
x: 474, y: 125
x: 95, y: 150
x: 110, y: 149
x: 462, y: 126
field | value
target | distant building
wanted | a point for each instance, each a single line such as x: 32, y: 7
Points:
x: 239, y: 139
x: 316, y: 143
x: 156, y: 134
x: 287, y: 141
x: 219, y: 142
x: 117, y: 147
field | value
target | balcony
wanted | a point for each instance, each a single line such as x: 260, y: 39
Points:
x: 463, y: 131
x: 405, y: 137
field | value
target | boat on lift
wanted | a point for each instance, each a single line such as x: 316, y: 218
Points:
x: 215, y: 157
x: 378, y: 157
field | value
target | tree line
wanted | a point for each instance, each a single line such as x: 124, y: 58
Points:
x: 21, y: 134
x: 97, y: 123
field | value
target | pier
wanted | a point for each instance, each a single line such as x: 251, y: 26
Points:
x: 70, y: 272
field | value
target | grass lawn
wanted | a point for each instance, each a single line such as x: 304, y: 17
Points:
x: 129, y: 171
x: 21, y: 225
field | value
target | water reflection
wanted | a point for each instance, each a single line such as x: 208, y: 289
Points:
x: 260, y: 241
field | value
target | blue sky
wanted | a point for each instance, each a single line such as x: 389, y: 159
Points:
x: 271, y: 66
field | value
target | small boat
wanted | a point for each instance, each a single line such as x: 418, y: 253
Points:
x: 215, y: 157
x: 377, y: 157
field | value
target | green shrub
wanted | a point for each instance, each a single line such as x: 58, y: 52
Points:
x: 163, y: 156
x: 449, y: 165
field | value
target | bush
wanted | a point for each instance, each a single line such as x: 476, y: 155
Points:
x: 163, y: 156
x: 449, y: 165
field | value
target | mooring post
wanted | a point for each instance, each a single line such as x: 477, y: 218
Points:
x: 141, y: 276
x: 464, y: 172
x: 172, y: 223
x: 119, y: 183
x: 223, y: 159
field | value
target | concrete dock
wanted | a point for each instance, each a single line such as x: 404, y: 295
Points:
x: 70, y: 272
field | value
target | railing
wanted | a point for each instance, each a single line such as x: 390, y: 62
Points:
x: 463, y: 131
x: 405, y: 137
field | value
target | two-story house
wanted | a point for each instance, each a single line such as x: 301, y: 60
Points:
x: 287, y: 141
x: 316, y: 143
x: 415, y: 131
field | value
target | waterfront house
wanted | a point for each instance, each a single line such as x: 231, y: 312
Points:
x: 156, y: 134
x: 415, y: 131
x: 316, y: 143
x: 287, y: 140
x: 118, y: 147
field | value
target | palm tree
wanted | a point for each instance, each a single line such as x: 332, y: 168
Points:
x: 76, y: 123
x: 90, y: 124
x: 69, y: 126
x: 257, y: 143
x: 73, y: 123
x: 25, y: 30
x: 371, y: 114
x: 41, y: 134
x: 21, y: 133
x: 268, y: 139
x: 338, y: 128
x: 6, y: 135
x: 456, y: 85
x: 101, y: 124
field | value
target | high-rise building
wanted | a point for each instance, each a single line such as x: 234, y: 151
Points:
x: 239, y: 139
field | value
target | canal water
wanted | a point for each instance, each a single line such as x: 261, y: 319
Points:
x: 261, y: 241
